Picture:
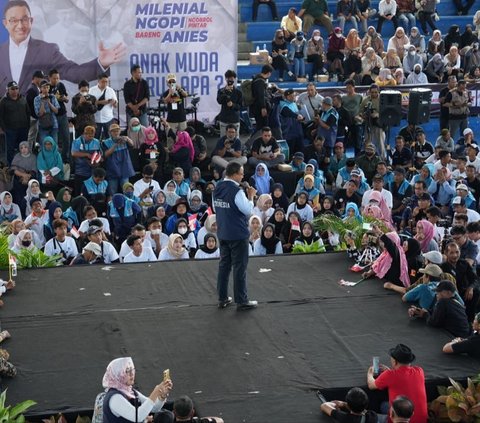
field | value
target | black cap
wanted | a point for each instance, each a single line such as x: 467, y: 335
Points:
x: 402, y: 354
x: 12, y: 84
x: 93, y: 229
x: 38, y: 74
x: 445, y: 286
x: 288, y: 91
x: 34, y: 200
x: 424, y: 196
x: 378, y: 177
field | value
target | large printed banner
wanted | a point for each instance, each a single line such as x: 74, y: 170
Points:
x: 194, y: 39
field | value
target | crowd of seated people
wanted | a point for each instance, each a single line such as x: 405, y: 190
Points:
x: 430, y: 57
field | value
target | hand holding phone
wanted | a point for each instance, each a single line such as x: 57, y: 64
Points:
x: 376, y: 366
x: 166, y: 375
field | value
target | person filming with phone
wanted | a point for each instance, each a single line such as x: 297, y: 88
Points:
x: 124, y: 403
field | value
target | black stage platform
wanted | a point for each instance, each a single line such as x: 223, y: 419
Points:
x: 257, y: 366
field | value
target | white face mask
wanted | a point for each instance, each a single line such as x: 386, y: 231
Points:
x: 316, y: 38
x: 411, y: 53
x: 155, y: 231
x: 338, y: 35
x: 182, y: 231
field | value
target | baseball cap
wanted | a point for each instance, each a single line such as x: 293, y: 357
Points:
x: 458, y: 201
x: 38, y: 74
x: 171, y: 77
x: 467, y: 131
x: 93, y: 230
x: 12, y: 84
x: 44, y: 82
x: 445, y: 286
x: 94, y: 248
x: 298, y: 155
x: 328, y: 100
x: 338, y: 144
x: 355, y: 172
x: 434, y: 257
x: 114, y: 126
x: 462, y: 187
x: 338, y: 30
x: 432, y: 270
x: 288, y: 92
x: 377, y: 177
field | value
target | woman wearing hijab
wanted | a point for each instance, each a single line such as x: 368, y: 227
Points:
x: 210, y: 227
x: 336, y: 47
x: 398, y: 42
x: 417, y: 77
x: 9, y: 211
x: 301, y: 206
x: 152, y: 151
x: 182, y: 152
x: 170, y: 192
x: 436, y: 44
x: 353, y: 42
x: 352, y: 213
x: 453, y: 62
x: 50, y: 163
x: 468, y: 37
x: 33, y: 191
x: 136, y: 133
x: 278, y: 220
x: 391, y: 60
x: 124, y: 214
x: 308, y: 236
x: 196, y: 204
x: 64, y: 197
x: 124, y: 404
x: 315, y: 53
x: 372, y: 39
x: 195, y: 180
x: 54, y: 212
x: 189, y: 241
x: 425, y: 236
x: 453, y: 37
x: 261, y: 179
x: 384, y: 78
x: 435, y: 69
x: 371, y: 65
x: 24, y: 240
x: 279, y: 54
x: 418, y: 40
x: 264, y: 208
x: 279, y: 197
x: 159, y: 200
x: 209, y: 248
x: 268, y: 243
x: 291, y: 231
x: 392, y: 263
x: 24, y: 167
x: 174, y: 250
x: 399, y: 76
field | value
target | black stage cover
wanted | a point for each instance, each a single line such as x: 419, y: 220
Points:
x: 256, y: 366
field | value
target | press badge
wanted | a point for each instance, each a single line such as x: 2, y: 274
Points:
x: 174, y: 106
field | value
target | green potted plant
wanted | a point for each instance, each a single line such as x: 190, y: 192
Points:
x: 13, y: 414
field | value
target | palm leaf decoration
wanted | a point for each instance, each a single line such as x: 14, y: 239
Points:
x: 27, y: 259
x: 314, y: 247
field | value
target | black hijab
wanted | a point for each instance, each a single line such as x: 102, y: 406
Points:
x: 282, y: 201
x: 277, y: 225
x: 269, y: 243
x: 308, y: 239
x: 204, y: 247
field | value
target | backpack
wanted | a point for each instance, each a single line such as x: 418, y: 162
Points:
x: 247, y: 93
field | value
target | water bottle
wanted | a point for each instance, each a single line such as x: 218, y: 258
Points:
x: 258, y: 49
x: 264, y: 46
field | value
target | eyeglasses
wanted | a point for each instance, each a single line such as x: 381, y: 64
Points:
x: 25, y: 20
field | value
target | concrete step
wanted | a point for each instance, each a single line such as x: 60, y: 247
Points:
x: 243, y: 56
x: 242, y: 37
x: 245, y: 47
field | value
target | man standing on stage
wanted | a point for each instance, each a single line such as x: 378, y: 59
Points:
x: 233, y: 208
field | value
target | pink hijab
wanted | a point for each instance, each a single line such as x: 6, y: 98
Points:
x: 383, y: 263
x: 116, y: 375
x: 386, y: 212
x: 184, y: 140
x: 429, y: 232
x: 150, y: 130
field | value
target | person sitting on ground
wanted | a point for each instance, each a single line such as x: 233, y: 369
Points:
x: 266, y: 149
x: 123, y: 403
x: 209, y: 248
x: 291, y: 231
x: 137, y: 230
x: 402, y: 410
x: 24, y: 240
x: 61, y: 243
x: 90, y: 254
x: 392, y: 263
x: 90, y: 214
x: 261, y: 179
x: 308, y: 236
x: 301, y: 206
x: 138, y: 252
x: 448, y: 312
x: 9, y: 211
x: 96, y: 184
x: 263, y: 208
x: 189, y: 242
x: 402, y: 379
x: 268, y: 243
x: 50, y: 163
x: 368, y: 252
x: 183, y: 411
x: 123, y: 213
x: 174, y: 250
x: 352, y: 410
x: 470, y: 345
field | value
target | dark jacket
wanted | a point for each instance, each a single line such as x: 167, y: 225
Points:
x: 14, y: 114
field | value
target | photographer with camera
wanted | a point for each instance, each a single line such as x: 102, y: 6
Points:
x: 230, y: 99
x: 84, y: 105
x: 174, y: 98
x: 61, y: 243
x: 46, y: 107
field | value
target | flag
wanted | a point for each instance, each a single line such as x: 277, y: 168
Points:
x: 296, y: 226
x: 75, y: 232
x: 192, y: 222
x: 12, y: 263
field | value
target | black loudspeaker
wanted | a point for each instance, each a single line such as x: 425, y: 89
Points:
x: 420, y: 100
x: 390, y: 108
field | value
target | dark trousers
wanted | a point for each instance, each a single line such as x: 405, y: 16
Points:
x: 101, y: 131
x: 13, y: 138
x: 64, y: 137
x: 461, y: 8
x: 233, y: 256
x: 271, y: 4
x: 426, y: 18
x: 260, y: 121
x: 471, y: 306
x: 381, y: 20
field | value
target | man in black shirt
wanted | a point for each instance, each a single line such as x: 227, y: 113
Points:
x: 465, y: 277
x: 470, y: 345
x: 421, y: 149
x: 402, y: 156
x: 136, y: 94
x: 345, y: 195
x: 352, y: 410
x: 30, y: 95
x: 261, y: 104
x: 60, y: 92
x: 266, y: 150
x: 230, y: 99
x: 448, y: 312
x: 175, y: 97
x: 473, y: 182
x: 444, y: 111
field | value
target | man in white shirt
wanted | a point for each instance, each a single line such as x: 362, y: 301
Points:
x: 139, y: 253
x: 377, y: 183
x: 144, y: 187
x: 106, y: 104
x: 109, y: 254
x: 472, y: 156
x: 459, y: 206
x: 125, y: 249
x: 387, y: 11
x: 90, y: 214
x: 309, y: 102
x: 37, y: 219
x: 61, y: 243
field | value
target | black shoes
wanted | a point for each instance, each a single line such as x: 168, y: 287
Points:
x: 225, y: 303
x: 247, y: 306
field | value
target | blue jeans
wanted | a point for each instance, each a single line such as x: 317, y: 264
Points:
x: 42, y: 133
x: 14, y: 137
x: 115, y: 184
x: 299, y: 65
x: 64, y: 137
x: 143, y: 118
x: 407, y: 21
x: 233, y: 254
